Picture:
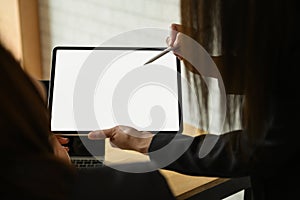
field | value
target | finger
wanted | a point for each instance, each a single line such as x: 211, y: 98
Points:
x: 100, y: 134
x: 63, y: 140
x: 178, y: 40
x: 171, y: 39
x: 168, y: 41
x: 56, y: 144
x: 172, y: 35
x: 67, y: 149
x: 176, y: 27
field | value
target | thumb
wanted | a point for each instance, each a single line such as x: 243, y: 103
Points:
x: 178, y: 41
x: 97, y: 135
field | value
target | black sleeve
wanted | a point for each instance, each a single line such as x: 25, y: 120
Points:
x: 232, y: 154
x: 208, y: 155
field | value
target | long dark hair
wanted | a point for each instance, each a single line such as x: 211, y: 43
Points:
x: 256, y: 42
x: 32, y: 171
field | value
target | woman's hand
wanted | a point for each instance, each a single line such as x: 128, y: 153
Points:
x: 174, y: 39
x: 125, y: 137
x: 181, y: 44
x: 59, y: 150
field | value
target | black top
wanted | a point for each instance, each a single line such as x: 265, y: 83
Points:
x: 272, y: 164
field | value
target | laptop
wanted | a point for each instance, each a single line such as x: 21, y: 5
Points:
x: 95, y: 88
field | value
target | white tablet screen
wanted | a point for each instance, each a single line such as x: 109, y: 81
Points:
x: 94, y: 89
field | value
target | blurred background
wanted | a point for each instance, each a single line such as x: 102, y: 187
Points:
x: 36, y: 26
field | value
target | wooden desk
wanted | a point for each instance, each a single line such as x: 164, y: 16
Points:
x: 212, y: 188
x: 183, y: 186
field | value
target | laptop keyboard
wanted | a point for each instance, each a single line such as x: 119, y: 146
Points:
x: 84, y: 163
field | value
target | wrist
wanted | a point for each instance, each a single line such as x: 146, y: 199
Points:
x: 145, y: 144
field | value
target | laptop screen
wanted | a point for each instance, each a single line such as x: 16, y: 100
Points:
x: 99, y: 88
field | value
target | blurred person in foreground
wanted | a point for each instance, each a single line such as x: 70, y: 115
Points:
x: 36, y: 165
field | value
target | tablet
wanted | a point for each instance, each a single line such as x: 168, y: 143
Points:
x: 96, y: 88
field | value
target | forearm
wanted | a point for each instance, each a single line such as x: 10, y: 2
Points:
x: 207, y: 155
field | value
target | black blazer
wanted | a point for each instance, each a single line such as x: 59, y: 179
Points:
x: 271, y: 162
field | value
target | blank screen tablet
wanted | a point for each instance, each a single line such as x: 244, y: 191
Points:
x: 99, y: 88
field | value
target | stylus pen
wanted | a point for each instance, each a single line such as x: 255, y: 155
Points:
x: 159, y: 55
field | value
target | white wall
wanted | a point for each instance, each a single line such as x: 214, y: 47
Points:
x: 91, y: 22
